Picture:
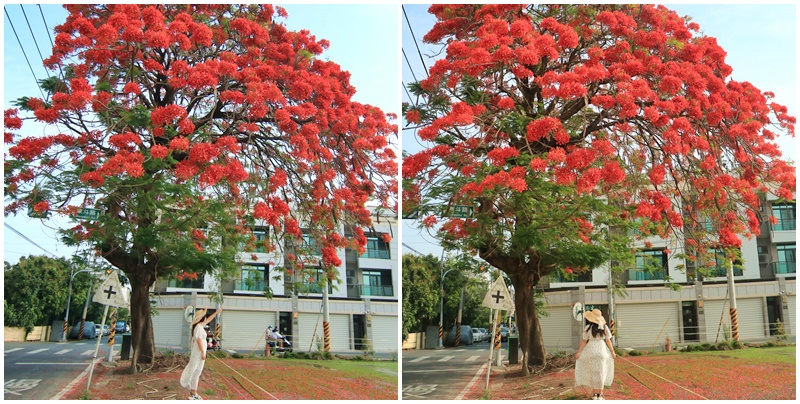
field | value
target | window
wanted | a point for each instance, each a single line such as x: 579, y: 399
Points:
x: 309, y: 283
x: 786, y: 214
x: 376, y: 248
x: 310, y: 245
x: 188, y: 281
x: 786, y: 259
x: 254, y: 278
x: 650, y: 265
x: 558, y: 276
x: 721, y: 269
x: 259, y: 237
x: 376, y: 283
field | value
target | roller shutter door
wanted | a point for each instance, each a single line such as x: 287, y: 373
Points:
x: 751, y: 319
x: 306, y: 322
x: 384, y: 333
x: 170, y: 329
x: 557, y: 327
x: 639, y: 325
x: 717, y: 313
x: 340, y: 332
x: 243, y: 331
x: 792, y: 315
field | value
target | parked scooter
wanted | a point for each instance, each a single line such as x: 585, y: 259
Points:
x: 273, y: 336
x: 213, y: 341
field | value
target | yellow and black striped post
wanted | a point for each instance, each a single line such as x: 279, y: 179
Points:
x: 113, y: 330
x: 326, y: 329
x: 612, y: 327
x: 80, y: 331
x: 441, y: 333
x: 458, y: 334
x: 497, y: 336
x: 734, y: 324
x: 218, y: 331
x: 65, y: 331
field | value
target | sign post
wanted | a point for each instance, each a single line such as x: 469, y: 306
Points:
x: 110, y: 293
x: 496, y: 299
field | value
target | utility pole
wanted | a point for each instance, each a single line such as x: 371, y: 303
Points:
x: 326, y: 326
x: 441, y: 302
x: 85, y: 309
x: 734, y: 314
x: 458, y: 322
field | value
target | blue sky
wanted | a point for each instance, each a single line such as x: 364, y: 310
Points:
x: 365, y: 44
x: 761, y: 42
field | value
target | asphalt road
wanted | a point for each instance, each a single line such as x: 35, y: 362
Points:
x: 444, y: 374
x: 40, y: 370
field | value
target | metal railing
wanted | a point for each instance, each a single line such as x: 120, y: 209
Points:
x: 784, y: 267
x: 250, y: 285
x: 375, y: 290
x: 187, y: 283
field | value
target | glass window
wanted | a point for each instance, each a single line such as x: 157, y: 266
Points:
x: 786, y: 259
x: 188, y: 280
x: 786, y: 214
x: 376, y: 248
x: 254, y: 278
x: 256, y: 243
x: 650, y: 265
x: 721, y: 269
x: 558, y: 276
x: 376, y: 283
x: 310, y: 245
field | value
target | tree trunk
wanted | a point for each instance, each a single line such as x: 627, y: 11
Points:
x: 530, y: 332
x: 141, y: 323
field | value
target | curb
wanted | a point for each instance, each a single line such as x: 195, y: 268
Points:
x: 75, y: 382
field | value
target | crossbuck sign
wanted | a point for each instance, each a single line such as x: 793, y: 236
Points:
x: 498, y: 297
x: 112, y: 293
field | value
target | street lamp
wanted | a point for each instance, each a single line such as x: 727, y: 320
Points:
x: 441, y: 302
x: 69, y: 300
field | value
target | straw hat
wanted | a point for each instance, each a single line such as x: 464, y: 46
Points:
x: 199, y: 314
x: 595, y: 316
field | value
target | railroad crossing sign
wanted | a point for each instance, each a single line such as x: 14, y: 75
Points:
x: 112, y: 293
x: 498, y: 296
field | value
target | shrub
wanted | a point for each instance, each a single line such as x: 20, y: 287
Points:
x: 636, y: 353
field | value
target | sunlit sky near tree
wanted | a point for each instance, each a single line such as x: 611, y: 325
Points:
x: 760, y: 41
x: 363, y: 40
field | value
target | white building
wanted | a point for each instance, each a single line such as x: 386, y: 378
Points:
x: 765, y: 291
x: 363, y: 309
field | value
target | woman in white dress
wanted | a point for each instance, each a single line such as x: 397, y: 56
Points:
x: 197, y: 359
x: 594, y: 366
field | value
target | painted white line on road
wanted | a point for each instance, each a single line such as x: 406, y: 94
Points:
x: 63, y: 351
x: 461, y: 350
x: 88, y: 352
x: 473, y: 358
x: 432, y: 370
x: 12, y: 350
x: 231, y: 351
x: 420, y: 359
x: 482, y: 349
x: 445, y: 359
x: 472, y: 382
x: 48, y: 363
x: 37, y: 351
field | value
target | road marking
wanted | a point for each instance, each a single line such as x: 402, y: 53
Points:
x: 473, y: 358
x: 420, y: 359
x: 63, y: 351
x: 445, y: 359
x: 37, y: 351
x: 472, y: 382
x: 461, y: 350
x: 49, y: 363
x: 12, y: 350
x: 482, y: 349
x: 432, y: 370
x: 75, y: 381
x: 231, y: 351
x: 88, y: 352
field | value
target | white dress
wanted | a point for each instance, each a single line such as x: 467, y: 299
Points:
x: 595, y: 367
x: 191, y: 373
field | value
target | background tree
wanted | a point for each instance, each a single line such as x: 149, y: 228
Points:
x: 420, y: 292
x: 34, y: 291
x: 568, y: 125
x: 184, y: 124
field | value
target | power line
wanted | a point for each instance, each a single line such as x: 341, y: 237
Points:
x: 23, y: 53
x: 415, y: 40
x: 50, y: 37
x: 409, y: 66
x: 28, y: 240
x: 31, y: 30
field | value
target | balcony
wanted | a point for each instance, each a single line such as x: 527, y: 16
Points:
x: 374, y: 290
x: 187, y: 283
x: 250, y: 285
x: 638, y: 275
x: 784, y: 268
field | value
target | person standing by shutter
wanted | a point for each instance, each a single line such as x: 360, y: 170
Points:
x: 197, y: 359
x: 594, y: 365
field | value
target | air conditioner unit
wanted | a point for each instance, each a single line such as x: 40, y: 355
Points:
x: 351, y: 281
x: 763, y: 258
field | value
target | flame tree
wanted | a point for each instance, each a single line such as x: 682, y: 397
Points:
x: 185, y: 124
x: 568, y: 126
